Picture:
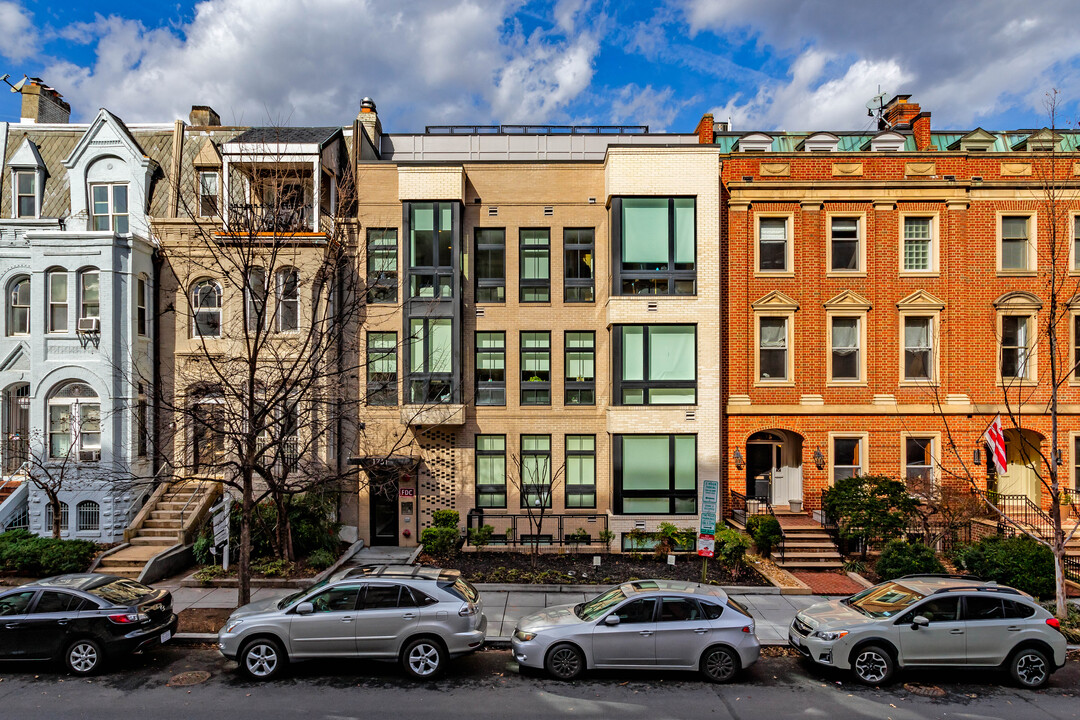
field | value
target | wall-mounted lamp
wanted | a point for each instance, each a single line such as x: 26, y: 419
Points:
x: 819, y: 459
x: 739, y: 463
x: 976, y: 457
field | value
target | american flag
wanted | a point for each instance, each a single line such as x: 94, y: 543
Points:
x: 995, y: 439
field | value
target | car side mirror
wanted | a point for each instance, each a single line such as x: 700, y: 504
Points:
x: 305, y: 608
x: 611, y: 620
x: 919, y: 621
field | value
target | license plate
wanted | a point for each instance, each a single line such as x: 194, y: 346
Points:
x: 794, y: 640
x: 165, y: 636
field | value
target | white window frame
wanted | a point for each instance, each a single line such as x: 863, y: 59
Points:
x: 935, y: 234
x: 112, y: 215
x: 142, y: 306
x: 16, y: 195
x: 12, y: 295
x: 864, y: 445
x: 1074, y: 240
x: 1031, y: 361
x: 1074, y: 344
x: 50, y: 276
x: 789, y: 254
x: 860, y: 239
x: 196, y: 308
x: 281, y: 279
x: 860, y: 318
x: 789, y: 317
x: 83, y: 276
x: 76, y: 437
x: 1031, y: 259
x: 935, y: 455
x: 203, y: 195
x: 252, y: 303
x: 84, y: 509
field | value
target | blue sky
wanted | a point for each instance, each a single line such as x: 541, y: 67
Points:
x: 766, y: 64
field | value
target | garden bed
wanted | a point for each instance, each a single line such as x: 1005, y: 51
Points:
x: 202, y: 620
x: 578, y: 569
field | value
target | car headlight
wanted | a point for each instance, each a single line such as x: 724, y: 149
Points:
x: 524, y: 636
x: 830, y: 635
x: 232, y: 625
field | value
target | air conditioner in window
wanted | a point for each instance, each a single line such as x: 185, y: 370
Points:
x: 89, y: 325
x: 89, y: 455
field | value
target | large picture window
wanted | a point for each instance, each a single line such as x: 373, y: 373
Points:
x: 656, y: 245
x: 580, y: 364
x: 655, y: 364
x: 536, y: 368
x: 578, y: 265
x: 490, y: 471
x: 580, y: 471
x: 491, y: 368
x: 536, y: 265
x: 655, y: 474
x: 490, y: 265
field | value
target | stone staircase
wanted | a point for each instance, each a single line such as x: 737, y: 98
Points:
x: 807, y: 546
x: 162, y: 523
x: 7, y: 489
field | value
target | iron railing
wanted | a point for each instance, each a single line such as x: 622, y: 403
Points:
x: 515, y: 530
x: 271, y: 218
x: 744, y: 507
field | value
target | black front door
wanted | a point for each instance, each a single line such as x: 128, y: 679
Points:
x: 759, y: 467
x: 384, y: 515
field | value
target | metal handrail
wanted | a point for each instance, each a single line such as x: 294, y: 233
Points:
x: 21, y: 471
x: 514, y: 538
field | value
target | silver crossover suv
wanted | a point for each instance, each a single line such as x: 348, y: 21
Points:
x: 421, y: 616
x: 643, y: 624
x: 932, y: 620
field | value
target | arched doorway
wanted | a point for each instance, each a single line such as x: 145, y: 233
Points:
x: 774, y: 467
x: 1024, y: 465
x: 16, y: 427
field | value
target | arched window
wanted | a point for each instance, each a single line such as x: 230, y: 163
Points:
x: 87, y: 516
x: 75, y: 422
x: 19, y: 307
x: 206, y: 307
x: 288, y: 296
x: 63, y: 517
x: 57, y: 281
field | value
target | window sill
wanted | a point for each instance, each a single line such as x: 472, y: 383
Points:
x: 920, y: 273
x: 1017, y: 383
x: 917, y: 383
x: 845, y: 273
x: 846, y: 383
x: 774, y: 383
x: 774, y: 273
x: 1017, y: 273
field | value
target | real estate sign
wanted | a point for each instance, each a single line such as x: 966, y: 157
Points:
x: 710, y: 497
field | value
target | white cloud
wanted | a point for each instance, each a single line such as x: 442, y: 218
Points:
x: 17, y: 30
x: 634, y: 105
x: 312, y: 62
x: 963, y: 61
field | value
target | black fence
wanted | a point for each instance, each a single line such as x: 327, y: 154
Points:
x: 518, y: 531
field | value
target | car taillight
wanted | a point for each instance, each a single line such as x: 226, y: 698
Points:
x: 746, y: 629
x: 466, y: 610
x: 1054, y: 623
x: 128, y: 618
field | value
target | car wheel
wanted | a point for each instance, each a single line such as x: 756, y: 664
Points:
x: 83, y: 657
x: 1030, y: 668
x: 262, y: 659
x: 872, y: 665
x: 565, y: 662
x: 719, y: 665
x: 423, y: 658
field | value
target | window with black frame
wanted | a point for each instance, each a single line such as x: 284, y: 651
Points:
x: 535, y: 471
x: 382, y: 368
x: 490, y: 471
x: 431, y: 250
x: 535, y: 283
x: 655, y: 474
x: 431, y: 360
x: 580, y: 471
x: 655, y: 242
x: 655, y: 364
x: 490, y: 368
x: 578, y: 270
x: 536, y: 368
x: 580, y: 365
x: 490, y: 265
x: 382, y: 265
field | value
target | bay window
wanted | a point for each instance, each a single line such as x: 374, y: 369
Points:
x: 430, y: 360
x: 655, y: 245
x: 655, y: 364
x: 382, y: 368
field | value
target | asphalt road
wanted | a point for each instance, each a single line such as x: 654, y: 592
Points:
x: 487, y: 685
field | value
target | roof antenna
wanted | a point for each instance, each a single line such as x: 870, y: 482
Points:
x: 875, y: 108
x: 17, y: 87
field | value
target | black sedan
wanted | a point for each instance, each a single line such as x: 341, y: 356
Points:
x: 83, y: 620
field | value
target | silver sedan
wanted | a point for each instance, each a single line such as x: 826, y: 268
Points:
x: 644, y: 624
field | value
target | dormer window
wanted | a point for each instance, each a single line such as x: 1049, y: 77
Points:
x: 821, y: 142
x: 208, y: 193
x: 26, y: 194
x: 887, y: 142
x: 754, y: 142
x: 109, y: 207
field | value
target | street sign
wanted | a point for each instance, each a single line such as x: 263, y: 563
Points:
x: 710, y: 497
x: 221, y: 520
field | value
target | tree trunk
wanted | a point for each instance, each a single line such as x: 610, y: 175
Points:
x: 243, y: 572
x: 282, y: 539
x: 54, y: 502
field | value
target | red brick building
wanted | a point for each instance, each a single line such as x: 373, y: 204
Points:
x: 888, y: 294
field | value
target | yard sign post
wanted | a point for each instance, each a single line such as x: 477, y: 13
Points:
x: 706, y: 544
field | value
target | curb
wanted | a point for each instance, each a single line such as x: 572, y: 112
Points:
x: 524, y: 587
x: 194, y: 638
x: 496, y: 643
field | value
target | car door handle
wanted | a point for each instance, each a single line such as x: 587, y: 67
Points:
x: 65, y: 621
x: 701, y: 631
x: 1013, y: 628
x: 956, y: 632
x: 408, y: 616
x: 646, y: 633
x: 346, y: 619
x: 12, y: 626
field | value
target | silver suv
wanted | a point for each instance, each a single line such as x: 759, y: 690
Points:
x: 419, y: 616
x: 932, y: 620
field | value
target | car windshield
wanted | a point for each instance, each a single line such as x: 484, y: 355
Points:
x: 885, y: 600
x: 290, y: 599
x: 600, y: 604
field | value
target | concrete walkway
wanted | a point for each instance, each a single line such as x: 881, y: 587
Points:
x: 773, y: 613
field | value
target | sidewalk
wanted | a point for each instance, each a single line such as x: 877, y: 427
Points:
x: 773, y: 613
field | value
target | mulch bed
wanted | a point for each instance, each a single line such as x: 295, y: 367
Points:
x: 578, y: 569
x: 202, y: 620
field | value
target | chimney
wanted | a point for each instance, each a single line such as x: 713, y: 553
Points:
x: 370, y: 120
x: 704, y: 130
x: 203, y: 116
x: 899, y: 111
x: 920, y: 128
x: 42, y: 104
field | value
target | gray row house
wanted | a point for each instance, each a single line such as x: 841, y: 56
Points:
x: 76, y: 332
